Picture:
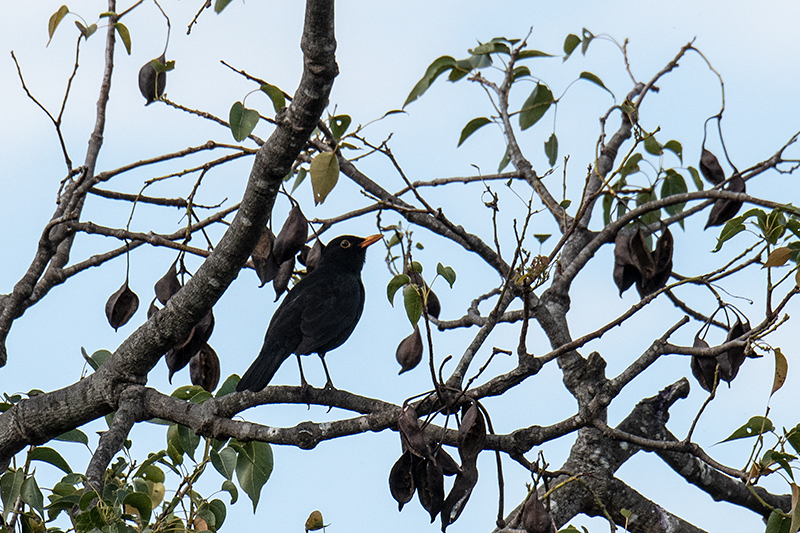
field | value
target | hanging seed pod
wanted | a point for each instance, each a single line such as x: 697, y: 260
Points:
x: 411, y: 435
x: 409, y: 351
x: 625, y: 273
x: 429, y: 481
x: 180, y: 355
x: 725, y: 209
x: 281, y: 281
x: 204, y: 368
x: 535, y: 518
x: 121, y: 306
x: 710, y: 167
x: 662, y: 266
x: 459, y: 494
x: 445, y: 460
x: 471, y: 433
x: 292, y: 236
x: 401, y: 480
x: 730, y: 361
x: 168, y: 284
x: 152, y: 83
x: 704, y: 368
x: 263, y: 261
x: 312, y: 258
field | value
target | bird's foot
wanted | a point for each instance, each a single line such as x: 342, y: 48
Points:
x: 305, y: 388
x: 329, y: 386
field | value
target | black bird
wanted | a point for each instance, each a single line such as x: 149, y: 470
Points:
x: 317, y: 315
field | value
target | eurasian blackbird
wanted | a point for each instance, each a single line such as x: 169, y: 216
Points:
x: 317, y: 315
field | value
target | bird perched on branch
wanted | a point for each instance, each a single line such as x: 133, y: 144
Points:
x: 317, y: 315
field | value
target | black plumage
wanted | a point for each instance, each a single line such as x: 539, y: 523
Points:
x: 317, y: 315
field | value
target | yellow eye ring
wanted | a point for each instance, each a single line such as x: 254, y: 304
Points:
x: 345, y: 244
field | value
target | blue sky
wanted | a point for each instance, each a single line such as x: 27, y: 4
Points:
x: 382, y: 51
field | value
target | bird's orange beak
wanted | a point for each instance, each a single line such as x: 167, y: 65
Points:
x: 371, y: 239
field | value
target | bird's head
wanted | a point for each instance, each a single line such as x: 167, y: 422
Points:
x: 347, y: 252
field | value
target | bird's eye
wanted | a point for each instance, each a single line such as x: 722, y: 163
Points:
x: 345, y: 244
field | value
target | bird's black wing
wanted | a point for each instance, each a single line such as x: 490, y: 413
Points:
x: 328, y: 320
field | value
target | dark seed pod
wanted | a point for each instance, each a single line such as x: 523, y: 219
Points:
x: 263, y: 261
x: 292, y: 236
x: 471, y: 433
x: 429, y: 481
x: 409, y: 351
x: 445, y: 460
x: 312, y: 258
x: 121, y: 306
x: 710, y: 167
x: 535, y: 518
x: 168, y: 285
x: 204, y: 368
x: 730, y: 361
x: 152, y: 309
x: 704, y: 368
x: 180, y: 355
x: 459, y: 494
x: 281, y: 281
x: 625, y: 273
x: 411, y: 435
x: 725, y: 209
x: 401, y: 480
x: 662, y: 261
x: 152, y: 83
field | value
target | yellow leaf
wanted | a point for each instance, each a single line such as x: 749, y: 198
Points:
x: 324, y: 175
x: 781, y: 369
x: 778, y: 257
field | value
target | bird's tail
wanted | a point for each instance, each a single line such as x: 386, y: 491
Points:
x: 263, y: 368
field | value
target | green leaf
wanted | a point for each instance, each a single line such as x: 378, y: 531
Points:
x: 651, y: 217
x: 73, y: 435
x: 520, y: 72
x: 231, y: 489
x: 276, y: 95
x: 570, y: 43
x: 301, y: 175
x: 413, y: 303
x: 542, y: 237
x: 242, y: 121
x: 224, y: 461
x: 594, y: 79
x: 673, y: 184
x: 229, y: 386
x: 587, y: 38
x: 254, y: 464
x: 652, y: 145
x: 793, y: 436
x: 565, y: 203
x: 174, y: 446
x: 324, y: 175
x: 504, y: 161
x: 773, y: 456
x: 124, y: 34
x: 55, y: 20
x: 525, y: 54
x: 49, y: 455
x: 394, y: 284
x: 757, y: 425
x: 795, y: 524
x: 631, y: 165
x: 186, y: 392
x: 31, y: 494
x: 97, y: 358
x: 551, y: 149
x: 10, y: 485
x: 436, y: 68
x: 535, y: 106
x: 219, y: 5
x: 447, y: 273
x: 188, y: 439
x: 696, y: 178
x: 472, y: 126
x: 492, y: 47
x: 142, y: 503
x: 731, y: 228
x: 676, y: 148
x: 339, y: 125
x: 777, y: 523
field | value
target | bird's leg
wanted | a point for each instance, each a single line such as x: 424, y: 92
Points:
x: 329, y: 383
x: 304, y: 386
